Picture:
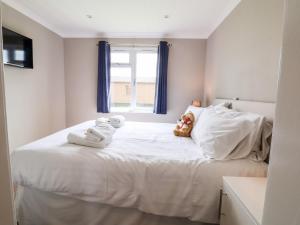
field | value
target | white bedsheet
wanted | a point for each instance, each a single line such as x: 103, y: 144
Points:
x: 145, y: 167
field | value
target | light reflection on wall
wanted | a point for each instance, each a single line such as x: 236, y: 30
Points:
x: 5, y: 56
x: 19, y: 55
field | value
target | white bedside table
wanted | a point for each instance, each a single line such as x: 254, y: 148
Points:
x: 243, y: 200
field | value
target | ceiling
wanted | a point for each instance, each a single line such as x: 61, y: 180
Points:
x: 128, y: 18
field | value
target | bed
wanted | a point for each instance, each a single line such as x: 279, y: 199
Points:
x: 146, y: 176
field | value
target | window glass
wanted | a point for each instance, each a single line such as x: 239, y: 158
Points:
x: 120, y: 88
x: 119, y: 57
x: 145, y: 80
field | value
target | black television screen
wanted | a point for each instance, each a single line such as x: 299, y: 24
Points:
x: 17, y: 49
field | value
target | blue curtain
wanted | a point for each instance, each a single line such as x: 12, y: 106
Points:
x: 103, y: 93
x: 160, y: 103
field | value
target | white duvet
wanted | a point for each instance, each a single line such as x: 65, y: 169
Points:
x: 145, y: 167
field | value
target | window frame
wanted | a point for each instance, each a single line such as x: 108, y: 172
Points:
x: 133, y: 51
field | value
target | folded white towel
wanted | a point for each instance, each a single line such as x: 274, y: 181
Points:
x: 92, y: 137
x: 79, y: 138
x: 102, y: 131
x: 102, y: 120
x: 117, y: 121
x: 104, y: 125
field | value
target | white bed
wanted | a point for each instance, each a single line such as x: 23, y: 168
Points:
x: 145, y: 171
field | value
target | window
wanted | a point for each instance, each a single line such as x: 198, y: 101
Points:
x: 133, y: 77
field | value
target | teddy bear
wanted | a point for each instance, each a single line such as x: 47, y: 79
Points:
x: 185, y: 125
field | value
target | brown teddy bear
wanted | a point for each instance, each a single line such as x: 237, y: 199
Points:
x: 185, y: 125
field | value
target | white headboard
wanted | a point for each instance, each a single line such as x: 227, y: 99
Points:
x: 263, y: 108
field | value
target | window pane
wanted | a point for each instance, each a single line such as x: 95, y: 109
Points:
x: 119, y: 57
x: 145, y: 80
x: 120, y: 88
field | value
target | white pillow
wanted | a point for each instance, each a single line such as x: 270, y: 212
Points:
x: 197, y: 111
x: 218, y: 108
x: 218, y: 131
x: 250, y: 142
x: 244, y: 148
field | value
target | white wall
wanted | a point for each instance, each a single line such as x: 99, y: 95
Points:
x: 185, y: 78
x: 243, y: 53
x: 6, y: 202
x: 282, y: 204
x: 35, y: 98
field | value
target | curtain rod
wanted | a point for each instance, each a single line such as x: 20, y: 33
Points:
x: 134, y: 45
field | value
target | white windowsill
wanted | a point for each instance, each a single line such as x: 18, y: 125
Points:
x: 128, y: 110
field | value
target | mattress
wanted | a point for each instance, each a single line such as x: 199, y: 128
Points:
x: 145, y: 167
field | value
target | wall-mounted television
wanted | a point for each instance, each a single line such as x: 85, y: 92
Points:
x: 17, y: 49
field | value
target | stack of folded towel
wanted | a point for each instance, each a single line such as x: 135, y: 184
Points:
x: 115, y: 121
x: 96, y: 137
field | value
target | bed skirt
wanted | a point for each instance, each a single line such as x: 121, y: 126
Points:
x: 34, y: 207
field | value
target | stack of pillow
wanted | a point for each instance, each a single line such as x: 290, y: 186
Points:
x: 223, y: 133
